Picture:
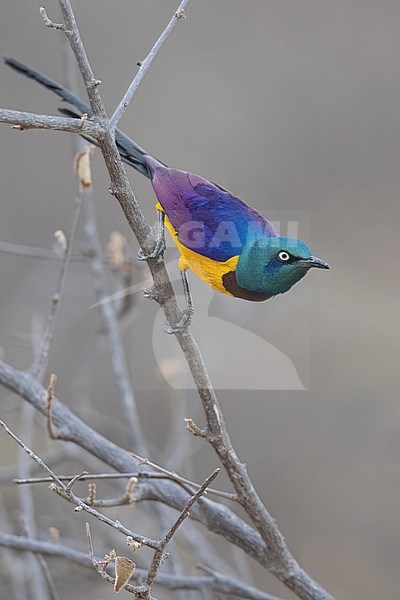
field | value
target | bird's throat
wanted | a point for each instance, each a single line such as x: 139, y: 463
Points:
x: 231, y: 285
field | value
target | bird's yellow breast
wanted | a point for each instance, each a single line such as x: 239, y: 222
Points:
x: 208, y: 270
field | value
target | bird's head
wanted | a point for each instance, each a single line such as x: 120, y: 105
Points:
x: 273, y: 265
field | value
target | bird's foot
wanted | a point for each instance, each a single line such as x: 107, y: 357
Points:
x: 157, y: 252
x: 184, y: 322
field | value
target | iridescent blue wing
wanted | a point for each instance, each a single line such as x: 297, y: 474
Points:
x: 207, y: 218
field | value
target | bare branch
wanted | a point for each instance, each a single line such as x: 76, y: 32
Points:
x: 40, y: 360
x: 26, y: 120
x: 72, y: 32
x: 227, y: 585
x: 159, y: 553
x: 186, y: 511
x: 32, y: 454
x: 49, y: 579
x: 214, y: 516
x: 49, y: 23
x: 94, y: 476
x: 179, y: 479
x: 66, y: 492
x: 44, y: 253
x: 162, y: 474
x: 117, y: 353
x: 215, y: 582
x: 31, y: 251
x: 52, y: 457
x: 101, y: 565
x: 145, y: 65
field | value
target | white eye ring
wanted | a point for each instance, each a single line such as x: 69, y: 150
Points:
x: 284, y: 256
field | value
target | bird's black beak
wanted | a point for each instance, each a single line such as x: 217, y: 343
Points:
x: 313, y: 261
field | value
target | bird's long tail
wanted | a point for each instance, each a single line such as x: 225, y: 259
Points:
x: 131, y: 153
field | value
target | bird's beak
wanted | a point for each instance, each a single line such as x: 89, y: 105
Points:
x: 313, y: 261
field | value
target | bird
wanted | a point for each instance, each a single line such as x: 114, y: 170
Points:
x: 228, y: 244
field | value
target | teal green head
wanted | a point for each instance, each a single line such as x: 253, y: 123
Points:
x: 272, y: 265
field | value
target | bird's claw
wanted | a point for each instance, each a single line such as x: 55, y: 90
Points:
x: 184, y: 322
x: 157, y: 252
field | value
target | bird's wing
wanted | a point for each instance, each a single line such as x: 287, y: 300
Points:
x: 206, y: 218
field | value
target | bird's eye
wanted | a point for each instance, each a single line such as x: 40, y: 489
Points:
x: 284, y: 256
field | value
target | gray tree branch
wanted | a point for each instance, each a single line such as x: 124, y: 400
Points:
x: 216, y: 582
x: 26, y: 120
x: 145, y: 65
x: 216, y: 517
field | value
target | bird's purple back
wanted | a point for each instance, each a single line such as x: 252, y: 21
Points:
x: 207, y: 218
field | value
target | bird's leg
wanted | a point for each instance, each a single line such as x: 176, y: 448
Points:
x: 159, y: 246
x: 187, y: 313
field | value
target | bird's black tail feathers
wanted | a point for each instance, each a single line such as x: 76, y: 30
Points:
x: 131, y: 153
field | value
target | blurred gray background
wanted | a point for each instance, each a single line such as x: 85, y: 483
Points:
x: 294, y: 107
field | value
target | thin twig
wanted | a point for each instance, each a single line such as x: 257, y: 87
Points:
x: 44, y: 253
x: 159, y: 553
x: 51, y: 457
x: 49, y: 579
x: 40, y: 360
x: 31, y: 251
x: 94, y: 476
x: 163, y: 474
x: 49, y: 23
x: 145, y: 65
x: 179, y: 479
x: 66, y: 491
x: 186, y: 511
x: 100, y: 567
x: 30, y: 453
